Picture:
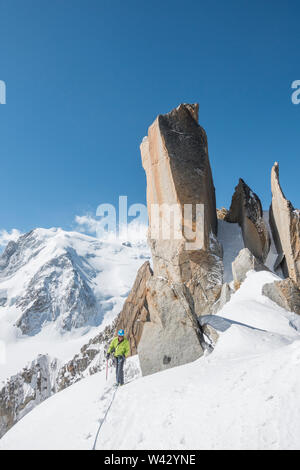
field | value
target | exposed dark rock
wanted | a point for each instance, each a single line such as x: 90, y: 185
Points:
x: 222, y: 213
x: 225, y: 296
x: 90, y: 360
x: 285, y: 225
x: 173, y: 331
x: 135, y: 310
x: 244, y: 262
x: 285, y: 293
x: 246, y: 210
x: 23, y: 391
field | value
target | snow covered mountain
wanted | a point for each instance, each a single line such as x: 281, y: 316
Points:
x: 57, y: 288
x: 218, y: 342
x: 245, y: 395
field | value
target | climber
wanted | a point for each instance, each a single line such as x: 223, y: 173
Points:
x: 120, y: 349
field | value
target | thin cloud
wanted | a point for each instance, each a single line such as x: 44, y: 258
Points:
x: 134, y: 232
x: 6, y: 237
x: 86, y: 223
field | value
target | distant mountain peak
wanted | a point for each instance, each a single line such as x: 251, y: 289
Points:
x: 50, y: 275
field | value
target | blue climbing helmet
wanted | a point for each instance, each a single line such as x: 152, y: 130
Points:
x: 121, y: 332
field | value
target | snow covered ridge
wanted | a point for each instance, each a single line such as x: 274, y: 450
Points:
x: 57, y: 276
x: 62, y: 286
x: 56, y: 287
x: 245, y: 395
x: 59, y: 295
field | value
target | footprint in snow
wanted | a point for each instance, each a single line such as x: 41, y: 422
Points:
x: 169, y: 420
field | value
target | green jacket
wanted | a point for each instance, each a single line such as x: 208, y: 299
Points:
x: 119, y: 348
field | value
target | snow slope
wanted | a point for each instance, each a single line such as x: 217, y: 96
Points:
x: 60, y: 269
x: 231, y: 238
x: 245, y: 395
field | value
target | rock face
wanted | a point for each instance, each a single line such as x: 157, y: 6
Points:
x: 246, y: 210
x: 222, y: 213
x: 211, y: 334
x: 88, y: 361
x: 135, y: 310
x: 187, y: 276
x: 285, y: 225
x: 26, y: 390
x: 284, y: 293
x: 175, y: 159
x: 225, y: 296
x: 244, y: 262
x: 173, y: 336
x: 176, y: 162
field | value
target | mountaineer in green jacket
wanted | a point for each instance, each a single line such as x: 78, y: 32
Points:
x: 120, y: 349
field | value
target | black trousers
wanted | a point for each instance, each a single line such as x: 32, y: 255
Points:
x: 119, y: 363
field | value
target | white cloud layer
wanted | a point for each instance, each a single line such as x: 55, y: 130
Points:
x: 133, y: 232
x: 86, y: 223
x: 6, y: 237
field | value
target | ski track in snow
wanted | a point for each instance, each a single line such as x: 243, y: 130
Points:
x: 245, y: 395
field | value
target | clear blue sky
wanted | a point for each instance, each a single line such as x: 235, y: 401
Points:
x: 85, y: 79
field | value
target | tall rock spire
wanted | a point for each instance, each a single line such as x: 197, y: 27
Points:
x: 285, y: 224
x: 187, y: 274
x: 246, y: 210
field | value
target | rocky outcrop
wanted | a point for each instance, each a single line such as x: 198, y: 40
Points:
x: 23, y: 391
x: 175, y: 159
x: 135, y: 310
x: 225, y: 296
x: 285, y: 225
x: 244, y: 262
x: 284, y: 293
x: 176, y: 162
x: 222, y: 213
x: 211, y: 333
x: 246, y: 210
x: 90, y: 360
x: 173, y: 336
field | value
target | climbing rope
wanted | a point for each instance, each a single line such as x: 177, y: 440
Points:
x: 103, y: 420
